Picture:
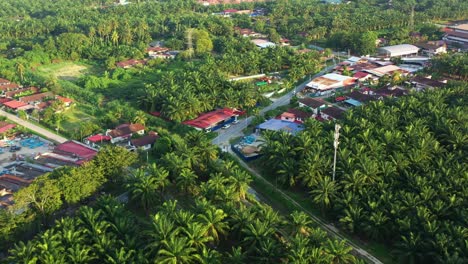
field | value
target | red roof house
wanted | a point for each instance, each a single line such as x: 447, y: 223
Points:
x: 76, y: 150
x: 14, y: 104
x: 125, y: 131
x: 4, y: 126
x: 209, y: 120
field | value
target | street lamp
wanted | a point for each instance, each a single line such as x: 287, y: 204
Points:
x: 335, y: 145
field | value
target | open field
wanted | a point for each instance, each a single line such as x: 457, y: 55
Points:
x: 73, y: 118
x: 66, y: 70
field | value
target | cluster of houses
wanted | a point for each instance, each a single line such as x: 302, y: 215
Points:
x: 15, y: 97
x: 155, y: 51
x: 260, y: 40
x: 130, y: 136
x: 20, y: 173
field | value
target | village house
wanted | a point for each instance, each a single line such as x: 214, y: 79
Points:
x: 313, y: 104
x: 295, y: 115
x: 457, y: 34
x: 16, y: 105
x: 5, y: 126
x: 36, y: 98
x: 421, y: 83
x: 15, y: 93
x: 159, y: 52
x: 130, y: 63
x: 214, y: 120
x: 332, y: 113
x: 432, y: 48
x: 124, y: 132
x: 145, y: 142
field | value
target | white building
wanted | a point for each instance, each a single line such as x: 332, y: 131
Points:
x: 398, y: 50
x: 328, y: 82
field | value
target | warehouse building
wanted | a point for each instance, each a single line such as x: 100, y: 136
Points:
x: 398, y: 51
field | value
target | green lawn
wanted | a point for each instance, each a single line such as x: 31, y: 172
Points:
x: 73, y: 117
x: 66, y: 70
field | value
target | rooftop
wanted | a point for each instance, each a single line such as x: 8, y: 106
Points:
x: 334, y: 112
x: 279, y: 125
x: 311, y: 102
x: 401, y: 49
x: 126, y: 129
x: 4, y: 126
x: 145, y: 140
x: 35, y: 97
x: 210, y: 119
x: 14, y: 104
x: 74, y: 148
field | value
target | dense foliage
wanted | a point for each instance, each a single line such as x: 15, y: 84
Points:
x: 215, y: 221
x: 401, y: 177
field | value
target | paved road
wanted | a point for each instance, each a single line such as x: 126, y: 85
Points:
x: 331, y: 230
x: 236, y: 130
x: 224, y: 136
x: 46, y: 133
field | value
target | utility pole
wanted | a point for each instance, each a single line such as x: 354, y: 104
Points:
x: 335, y: 144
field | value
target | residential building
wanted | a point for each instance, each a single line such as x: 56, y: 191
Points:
x: 263, y: 43
x: 36, y: 98
x: 457, y: 34
x: 213, y: 120
x: 145, y: 142
x: 125, y: 132
x: 421, y: 83
x: 329, y: 82
x: 312, y: 104
x: 332, y: 113
x: 130, y: 63
x: 16, y: 105
x: 5, y: 126
x: 398, y: 50
x: 432, y: 48
x: 387, y: 70
x: 280, y: 125
x: 15, y: 93
x: 295, y: 115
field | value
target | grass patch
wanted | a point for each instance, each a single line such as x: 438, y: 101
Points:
x: 66, y: 70
x: 74, y: 116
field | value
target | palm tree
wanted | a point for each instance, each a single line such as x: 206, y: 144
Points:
x: 139, y: 118
x: 197, y: 235
x: 213, y: 219
x: 161, y: 177
x: 23, y: 253
x: 160, y: 231
x: 324, y: 192
x: 80, y: 254
x: 300, y: 223
x: 186, y: 180
x: 143, y: 187
x: 240, y: 181
x: 236, y: 256
x: 300, y: 249
x: 340, y: 252
x: 177, y: 250
x: 256, y: 232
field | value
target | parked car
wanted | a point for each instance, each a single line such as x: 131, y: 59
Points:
x: 226, y: 126
x: 14, y: 148
x: 235, y: 122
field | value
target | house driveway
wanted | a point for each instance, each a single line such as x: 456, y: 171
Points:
x: 45, y: 133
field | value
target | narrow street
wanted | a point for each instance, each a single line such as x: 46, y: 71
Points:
x: 224, y: 135
x: 222, y: 140
x: 46, y: 133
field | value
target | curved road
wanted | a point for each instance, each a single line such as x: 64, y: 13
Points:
x: 44, y: 132
x: 224, y: 136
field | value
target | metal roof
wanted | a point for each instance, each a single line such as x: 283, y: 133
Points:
x: 398, y: 50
